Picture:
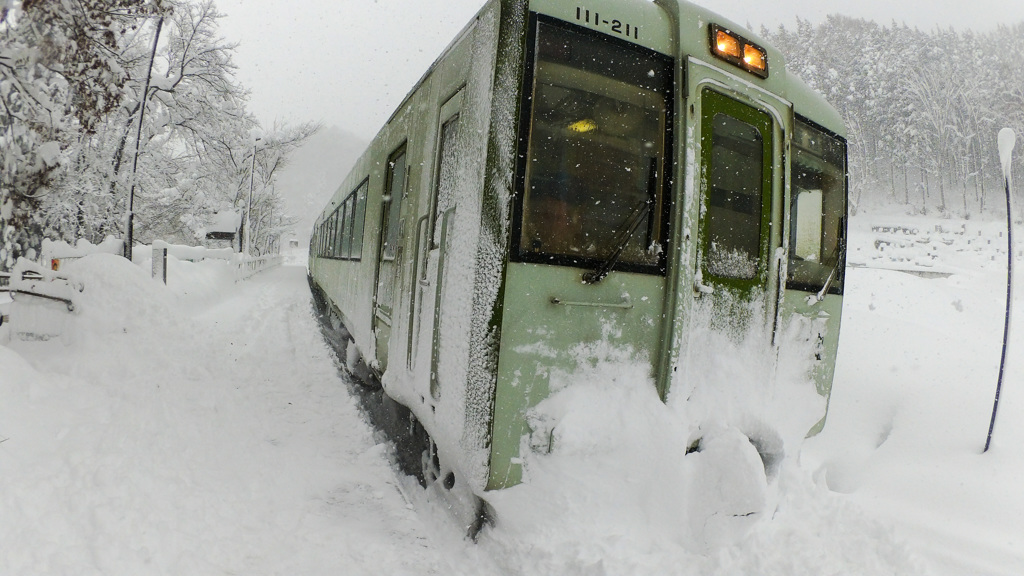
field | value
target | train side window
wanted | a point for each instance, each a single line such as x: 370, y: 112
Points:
x: 358, y: 219
x: 594, y: 181
x: 332, y: 247
x: 327, y: 238
x: 817, y: 211
x: 393, y: 202
x: 339, y: 244
x: 345, y: 240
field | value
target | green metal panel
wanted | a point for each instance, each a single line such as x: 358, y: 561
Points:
x: 823, y: 318
x: 636, y: 21
x: 549, y: 313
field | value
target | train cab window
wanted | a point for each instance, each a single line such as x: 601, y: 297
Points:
x: 594, y: 181
x: 817, y: 211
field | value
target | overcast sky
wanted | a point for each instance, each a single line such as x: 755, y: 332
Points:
x: 348, y: 63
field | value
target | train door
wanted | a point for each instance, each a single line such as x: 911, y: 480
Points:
x: 736, y: 278
x: 432, y: 231
x: 389, y: 259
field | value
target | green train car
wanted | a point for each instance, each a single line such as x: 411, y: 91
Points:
x: 611, y: 172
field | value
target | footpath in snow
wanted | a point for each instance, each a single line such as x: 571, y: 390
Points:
x: 186, y: 430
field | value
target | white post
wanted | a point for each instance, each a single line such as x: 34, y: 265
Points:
x: 160, y: 261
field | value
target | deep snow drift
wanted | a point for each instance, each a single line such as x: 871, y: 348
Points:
x: 204, y: 428
x: 201, y: 429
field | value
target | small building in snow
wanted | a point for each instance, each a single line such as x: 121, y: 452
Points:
x: 225, y: 231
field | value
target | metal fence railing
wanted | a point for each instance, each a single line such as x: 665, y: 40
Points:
x: 42, y: 285
x: 249, y: 266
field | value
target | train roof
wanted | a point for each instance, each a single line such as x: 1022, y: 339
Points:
x: 657, y: 16
x: 691, y: 40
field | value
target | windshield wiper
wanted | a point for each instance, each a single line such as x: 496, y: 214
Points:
x: 620, y: 242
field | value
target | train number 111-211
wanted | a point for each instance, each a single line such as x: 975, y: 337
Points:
x: 616, y: 26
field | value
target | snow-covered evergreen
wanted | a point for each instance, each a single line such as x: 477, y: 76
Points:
x: 923, y: 108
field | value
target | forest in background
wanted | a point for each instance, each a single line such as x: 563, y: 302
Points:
x: 923, y: 109
x: 79, y: 78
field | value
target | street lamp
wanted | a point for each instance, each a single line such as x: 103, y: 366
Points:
x: 248, y: 208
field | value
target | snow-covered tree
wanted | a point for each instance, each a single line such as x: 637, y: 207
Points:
x: 60, y: 76
x: 197, y: 137
x: 153, y: 112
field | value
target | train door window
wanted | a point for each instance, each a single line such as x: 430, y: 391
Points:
x: 358, y: 219
x: 737, y: 188
x: 387, y: 267
x: 734, y: 199
x: 393, y: 204
x: 817, y: 210
x: 594, y: 182
x: 446, y: 169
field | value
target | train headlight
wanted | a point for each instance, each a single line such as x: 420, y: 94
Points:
x: 755, y: 58
x: 738, y: 51
x: 727, y: 45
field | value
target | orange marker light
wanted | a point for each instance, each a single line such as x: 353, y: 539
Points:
x: 727, y: 44
x: 738, y: 51
x: 753, y: 57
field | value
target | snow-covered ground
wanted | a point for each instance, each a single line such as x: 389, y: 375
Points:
x: 197, y: 429
x: 204, y: 428
x: 914, y: 387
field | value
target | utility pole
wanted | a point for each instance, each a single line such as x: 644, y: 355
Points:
x: 248, y: 208
x: 130, y: 224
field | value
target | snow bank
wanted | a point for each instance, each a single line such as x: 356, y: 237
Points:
x: 633, y: 485
x: 118, y: 295
x: 66, y: 253
x: 167, y: 437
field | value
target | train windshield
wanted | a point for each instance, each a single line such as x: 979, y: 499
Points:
x: 595, y: 174
x: 818, y: 211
